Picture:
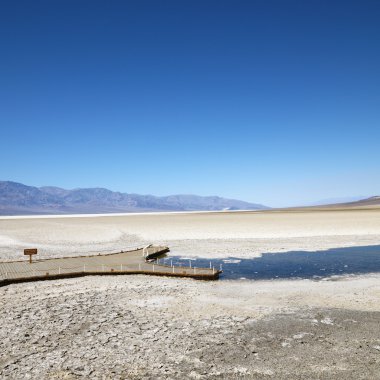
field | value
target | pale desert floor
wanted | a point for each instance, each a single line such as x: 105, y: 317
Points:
x: 137, y: 327
x: 194, y: 234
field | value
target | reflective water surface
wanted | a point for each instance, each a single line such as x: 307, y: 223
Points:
x: 310, y: 265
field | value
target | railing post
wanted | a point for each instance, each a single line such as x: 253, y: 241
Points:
x: 121, y: 267
x: 153, y: 267
x: 190, y: 263
x: 173, y: 269
x: 84, y: 267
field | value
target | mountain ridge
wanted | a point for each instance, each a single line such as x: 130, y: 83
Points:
x: 365, y: 202
x: 19, y: 199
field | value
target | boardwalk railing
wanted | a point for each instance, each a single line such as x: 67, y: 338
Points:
x: 119, y: 269
x: 154, y: 268
x: 123, y: 262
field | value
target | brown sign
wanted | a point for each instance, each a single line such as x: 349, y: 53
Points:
x: 30, y: 251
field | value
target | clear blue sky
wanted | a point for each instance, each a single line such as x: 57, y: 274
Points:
x: 275, y: 102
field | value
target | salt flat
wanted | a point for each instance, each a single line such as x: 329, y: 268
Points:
x: 134, y: 327
x: 219, y: 234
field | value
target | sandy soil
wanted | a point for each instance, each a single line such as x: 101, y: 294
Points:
x: 204, y: 234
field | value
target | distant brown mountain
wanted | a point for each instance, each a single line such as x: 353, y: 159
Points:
x: 19, y: 199
x: 367, y: 202
x: 372, y: 202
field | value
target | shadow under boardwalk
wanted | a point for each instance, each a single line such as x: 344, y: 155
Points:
x: 122, y: 263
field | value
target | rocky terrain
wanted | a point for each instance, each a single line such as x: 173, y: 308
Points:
x: 136, y: 327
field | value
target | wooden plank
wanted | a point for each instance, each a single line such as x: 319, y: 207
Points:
x: 124, y: 262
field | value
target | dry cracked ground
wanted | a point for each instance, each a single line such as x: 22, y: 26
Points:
x: 137, y: 327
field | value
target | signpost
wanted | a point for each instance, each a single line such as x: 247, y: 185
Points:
x: 30, y: 252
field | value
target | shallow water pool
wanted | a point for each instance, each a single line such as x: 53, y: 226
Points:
x: 297, y: 264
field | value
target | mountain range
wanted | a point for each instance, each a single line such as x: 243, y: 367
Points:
x: 20, y: 199
x: 366, y: 202
x: 330, y: 201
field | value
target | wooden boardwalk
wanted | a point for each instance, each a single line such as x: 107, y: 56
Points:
x: 122, y: 263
